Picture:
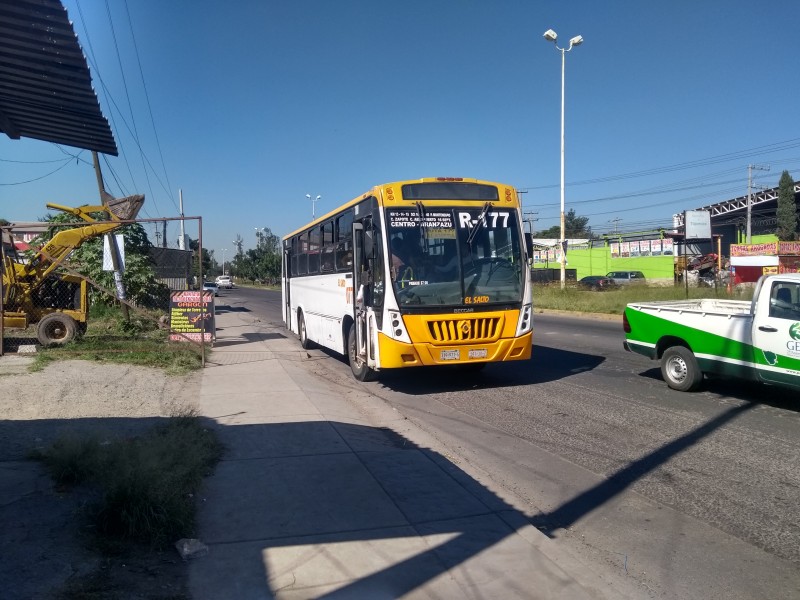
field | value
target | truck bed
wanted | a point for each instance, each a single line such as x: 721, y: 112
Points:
x: 708, y: 306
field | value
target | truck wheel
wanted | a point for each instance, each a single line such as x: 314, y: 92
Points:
x: 302, y: 332
x: 360, y: 369
x: 56, y: 329
x: 680, y: 370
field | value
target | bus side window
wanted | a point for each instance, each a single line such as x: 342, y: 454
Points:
x: 295, y: 256
x: 344, y: 241
x: 314, y: 238
x: 302, y: 259
x: 328, y: 248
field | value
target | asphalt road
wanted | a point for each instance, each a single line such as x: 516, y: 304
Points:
x: 668, y: 494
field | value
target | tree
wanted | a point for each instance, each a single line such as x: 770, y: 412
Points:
x: 261, y: 263
x: 141, y: 285
x: 786, y: 212
x: 208, y: 260
x: 574, y: 227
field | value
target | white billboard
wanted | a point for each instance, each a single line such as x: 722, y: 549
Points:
x: 698, y: 224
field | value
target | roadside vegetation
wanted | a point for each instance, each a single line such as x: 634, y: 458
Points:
x: 142, y: 491
x: 139, y: 341
x: 145, y: 486
x: 574, y: 299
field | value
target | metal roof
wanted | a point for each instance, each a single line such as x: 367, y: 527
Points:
x: 738, y: 204
x: 45, y: 87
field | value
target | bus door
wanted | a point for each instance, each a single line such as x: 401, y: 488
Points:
x: 367, y: 278
x: 361, y: 284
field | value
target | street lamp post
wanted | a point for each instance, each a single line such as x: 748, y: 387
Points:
x: 551, y: 36
x: 313, y: 203
x: 224, y: 250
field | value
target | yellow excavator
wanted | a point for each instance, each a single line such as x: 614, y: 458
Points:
x: 37, y: 292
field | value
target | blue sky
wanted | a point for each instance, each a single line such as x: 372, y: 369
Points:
x: 248, y: 106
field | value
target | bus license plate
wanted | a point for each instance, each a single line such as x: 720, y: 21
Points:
x: 450, y: 355
x: 482, y: 353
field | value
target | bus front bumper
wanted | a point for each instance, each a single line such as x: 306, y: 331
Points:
x: 394, y: 354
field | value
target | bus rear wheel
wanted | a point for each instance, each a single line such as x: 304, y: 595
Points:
x: 359, y: 367
x: 302, y: 332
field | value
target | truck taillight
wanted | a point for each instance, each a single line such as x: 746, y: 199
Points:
x: 626, y: 326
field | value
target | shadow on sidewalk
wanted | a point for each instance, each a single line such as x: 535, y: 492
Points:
x: 294, y: 504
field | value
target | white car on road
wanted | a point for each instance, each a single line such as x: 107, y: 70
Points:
x: 225, y: 281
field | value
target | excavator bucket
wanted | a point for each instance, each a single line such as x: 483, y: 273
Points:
x: 124, y: 209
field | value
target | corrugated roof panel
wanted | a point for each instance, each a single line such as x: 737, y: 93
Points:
x: 45, y: 86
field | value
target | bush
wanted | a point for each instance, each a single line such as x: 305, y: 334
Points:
x: 147, y: 485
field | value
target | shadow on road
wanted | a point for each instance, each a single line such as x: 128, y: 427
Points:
x: 546, y: 364
x: 569, y: 512
x: 747, y: 391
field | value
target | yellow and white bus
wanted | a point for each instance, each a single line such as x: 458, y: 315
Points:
x: 420, y: 272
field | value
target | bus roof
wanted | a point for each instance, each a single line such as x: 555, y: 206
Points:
x: 383, y: 192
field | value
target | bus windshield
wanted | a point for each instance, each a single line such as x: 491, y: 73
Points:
x: 455, y: 256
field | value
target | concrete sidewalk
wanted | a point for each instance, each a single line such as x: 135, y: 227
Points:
x: 326, y: 493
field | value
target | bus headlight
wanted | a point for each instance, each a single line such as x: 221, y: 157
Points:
x: 398, y: 328
x: 525, y: 323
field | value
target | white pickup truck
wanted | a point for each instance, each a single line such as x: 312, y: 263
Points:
x: 758, y: 340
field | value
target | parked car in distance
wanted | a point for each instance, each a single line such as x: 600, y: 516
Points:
x: 225, y: 281
x: 597, y: 283
x: 211, y: 286
x: 625, y: 277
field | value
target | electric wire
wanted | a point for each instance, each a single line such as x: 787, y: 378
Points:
x: 149, y: 106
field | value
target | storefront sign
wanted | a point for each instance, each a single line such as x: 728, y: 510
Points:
x: 191, y: 317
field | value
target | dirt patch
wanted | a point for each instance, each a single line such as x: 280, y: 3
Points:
x: 47, y: 548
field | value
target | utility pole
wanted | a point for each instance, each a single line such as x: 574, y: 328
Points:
x: 182, y: 238
x: 111, y: 239
x: 615, y: 221
x: 529, y: 217
x: 750, y: 169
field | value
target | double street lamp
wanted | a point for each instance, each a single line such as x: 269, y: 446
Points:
x: 552, y: 36
x: 313, y: 203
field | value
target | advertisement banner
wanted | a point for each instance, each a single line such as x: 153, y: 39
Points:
x: 655, y: 247
x: 769, y: 249
x: 789, y: 248
x: 614, y: 250
x: 667, y: 247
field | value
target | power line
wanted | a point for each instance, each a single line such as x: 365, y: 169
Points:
x: 147, y: 98
x: 739, y: 154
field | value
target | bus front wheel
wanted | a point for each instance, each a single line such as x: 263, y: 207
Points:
x: 359, y: 367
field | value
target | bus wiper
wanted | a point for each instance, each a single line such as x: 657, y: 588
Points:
x: 478, y: 225
x: 422, y: 216
x: 420, y: 212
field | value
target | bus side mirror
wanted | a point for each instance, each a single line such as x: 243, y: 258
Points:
x: 529, y: 245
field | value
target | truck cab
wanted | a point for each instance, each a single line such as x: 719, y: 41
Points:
x: 776, y: 329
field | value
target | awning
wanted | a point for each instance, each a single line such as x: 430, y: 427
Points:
x: 45, y: 87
